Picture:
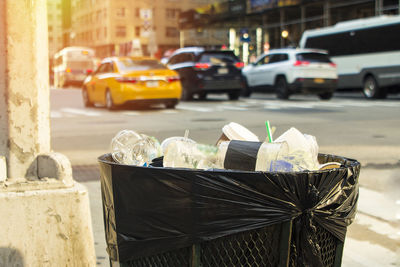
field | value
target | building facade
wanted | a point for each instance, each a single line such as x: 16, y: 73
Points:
x: 54, y: 21
x: 121, y: 27
x: 253, y: 26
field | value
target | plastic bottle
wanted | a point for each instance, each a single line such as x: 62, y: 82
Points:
x: 130, y: 148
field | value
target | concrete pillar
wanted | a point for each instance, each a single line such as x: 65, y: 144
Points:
x: 24, y: 123
x: 44, y: 215
x: 259, y: 40
x: 232, y: 39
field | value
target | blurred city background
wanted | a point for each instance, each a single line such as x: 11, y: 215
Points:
x: 348, y: 125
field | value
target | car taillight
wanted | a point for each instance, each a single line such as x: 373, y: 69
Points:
x: 68, y: 70
x: 88, y: 71
x: 239, y: 65
x: 301, y: 63
x: 173, y: 79
x: 333, y: 64
x: 202, y: 66
x: 127, y: 80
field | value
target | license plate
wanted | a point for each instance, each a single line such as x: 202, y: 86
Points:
x: 222, y: 71
x: 319, y: 80
x: 152, y: 84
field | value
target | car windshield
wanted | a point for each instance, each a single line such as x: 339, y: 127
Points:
x: 313, y: 57
x: 218, y: 58
x: 80, y: 65
x: 129, y: 64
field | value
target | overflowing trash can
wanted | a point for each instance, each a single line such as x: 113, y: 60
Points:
x: 176, y: 217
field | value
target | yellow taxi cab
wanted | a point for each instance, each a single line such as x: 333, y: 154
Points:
x: 130, y: 80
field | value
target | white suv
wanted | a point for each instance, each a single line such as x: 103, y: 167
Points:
x: 291, y: 71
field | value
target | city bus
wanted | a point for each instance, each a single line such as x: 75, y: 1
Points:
x: 366, y: 51
x: 72, y: 64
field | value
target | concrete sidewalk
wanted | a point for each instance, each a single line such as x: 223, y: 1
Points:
x: 372, y: 240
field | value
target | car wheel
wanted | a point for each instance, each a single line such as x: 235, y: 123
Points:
x: 247, y: 91
x: 371, y: 88
x: 109, y: 101
x: 86, y: 98
x: 186, y: 95
x: 202, y: 96
x: 325, y: 96
x: 281, y: 87
x: 234, y: 95
x: 170, y: 105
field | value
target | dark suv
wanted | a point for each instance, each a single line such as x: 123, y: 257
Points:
x: 204, y: 72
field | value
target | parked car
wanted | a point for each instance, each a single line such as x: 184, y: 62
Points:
x: 291, y: 71
x: 205, y: 71
x: 123, y: 80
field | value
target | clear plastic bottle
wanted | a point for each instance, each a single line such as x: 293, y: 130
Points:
x: 130, y: 148
x: 188, y: 154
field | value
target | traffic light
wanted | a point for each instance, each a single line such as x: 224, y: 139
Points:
x: 244, y: 35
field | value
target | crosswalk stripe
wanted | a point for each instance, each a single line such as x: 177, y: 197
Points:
x: 233, y: 108
x: 242, y: 105
x: 194, y: 108
x: 131, y: 113
x: 81, y: 112
x: 55, y: 114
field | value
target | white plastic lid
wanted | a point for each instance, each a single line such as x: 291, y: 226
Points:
x: 235, y: 131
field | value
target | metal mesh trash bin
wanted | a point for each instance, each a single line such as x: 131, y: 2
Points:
x: 168, y: 217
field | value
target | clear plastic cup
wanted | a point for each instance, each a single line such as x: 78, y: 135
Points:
x: 270, y: 157
x: 187, y: 154
x: 130, y: 148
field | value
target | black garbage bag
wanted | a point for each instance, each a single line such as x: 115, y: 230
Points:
x: 150, y: 210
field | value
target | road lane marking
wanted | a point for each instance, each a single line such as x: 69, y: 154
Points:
x: 233, y: 108
x: 169, y: 111
x: 195, y: 108
x: 55, y: 114
x: 131, y: 113
x: 80, y: 112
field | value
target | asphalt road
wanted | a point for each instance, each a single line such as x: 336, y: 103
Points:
x: 347, y: 125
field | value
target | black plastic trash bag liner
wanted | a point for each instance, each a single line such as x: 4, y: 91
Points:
x: 150, y: 210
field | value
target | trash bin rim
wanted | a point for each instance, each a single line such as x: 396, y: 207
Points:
x: 353, y: 163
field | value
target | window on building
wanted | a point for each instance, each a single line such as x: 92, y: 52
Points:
x: 137, y: 31
x: 98, y: 34
x: 137, y: 12
x: 172, y: 13
x: 50, y: 29
x: 171, y: 32
x: 120, y: 31
x: 121, y: 12
x: 98, y: 15
x: 105, y: 32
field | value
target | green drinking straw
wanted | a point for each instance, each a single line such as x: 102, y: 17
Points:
x: 268, y: 132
